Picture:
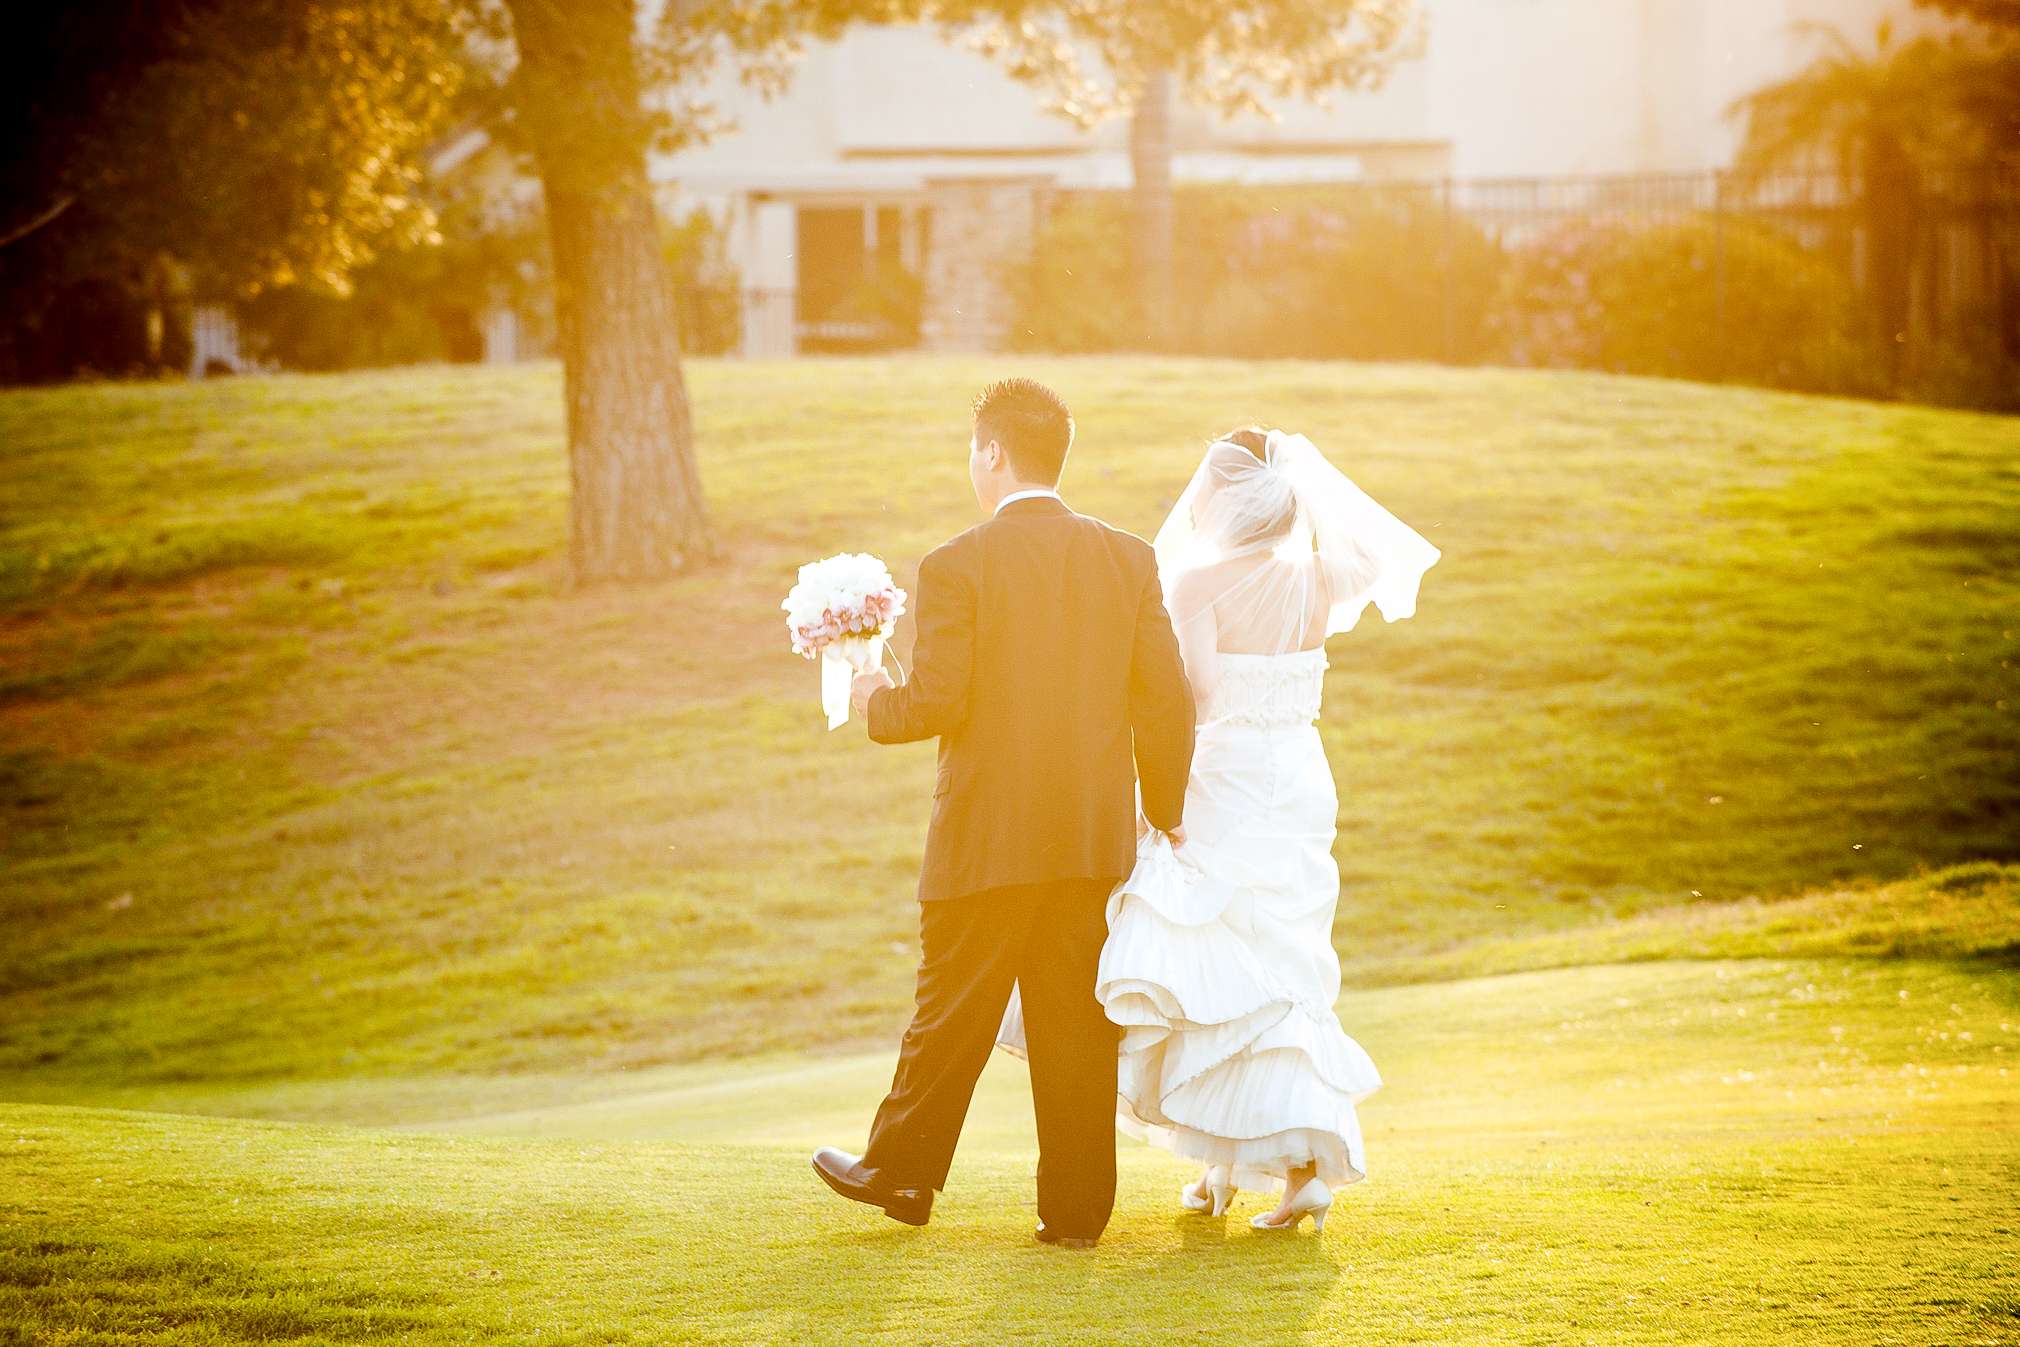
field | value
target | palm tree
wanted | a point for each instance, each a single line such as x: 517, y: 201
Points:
x: 1996, y: 13
x: 1884, y: 122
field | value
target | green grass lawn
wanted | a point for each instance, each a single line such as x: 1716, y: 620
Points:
x: 1706, y: 1151
x: 397, y: 943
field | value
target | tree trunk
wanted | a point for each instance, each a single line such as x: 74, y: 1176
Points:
x: 636, y: 501
x: 1150, y: 171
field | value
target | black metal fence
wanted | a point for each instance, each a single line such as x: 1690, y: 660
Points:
x: 1930, y: 256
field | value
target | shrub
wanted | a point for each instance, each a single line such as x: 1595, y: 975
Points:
x: 428, y: 303
x: 1342, y: 272
x: 1972, y: 365
x: 1694, y: 299
x: 890, y: 304
x: 707, y: 291
x: 410, y: 306
x: 1076, y: 293
x: 1390, y: 275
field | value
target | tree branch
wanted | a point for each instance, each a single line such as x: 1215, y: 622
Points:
x: 23, y: 231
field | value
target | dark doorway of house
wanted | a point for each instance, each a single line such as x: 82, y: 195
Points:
x: 854, y: 291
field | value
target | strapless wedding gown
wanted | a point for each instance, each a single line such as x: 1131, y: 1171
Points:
x: 1219, y: 964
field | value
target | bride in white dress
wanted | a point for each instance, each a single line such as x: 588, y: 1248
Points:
x: 1219, y: 964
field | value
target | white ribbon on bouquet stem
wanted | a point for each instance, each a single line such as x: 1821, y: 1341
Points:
x: 840, y: 663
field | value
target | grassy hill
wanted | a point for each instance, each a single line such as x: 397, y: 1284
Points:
x: 396, y: 945
x: 312, y: 766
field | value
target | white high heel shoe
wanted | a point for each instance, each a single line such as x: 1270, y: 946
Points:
x: 1217, y: 1185
x: 1313, y: 1200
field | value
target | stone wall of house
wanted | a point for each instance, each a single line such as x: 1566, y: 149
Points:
x: 977, y: 227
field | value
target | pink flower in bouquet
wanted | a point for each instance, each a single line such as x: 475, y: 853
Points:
x: 847, y: 597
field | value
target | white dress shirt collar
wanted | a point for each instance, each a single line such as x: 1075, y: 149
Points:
x: 1027, y: 495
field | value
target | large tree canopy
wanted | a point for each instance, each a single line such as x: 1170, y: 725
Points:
x: 1093, y: 59
x: 263, y: 141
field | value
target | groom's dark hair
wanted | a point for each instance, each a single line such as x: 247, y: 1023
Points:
x: 1032, y: 424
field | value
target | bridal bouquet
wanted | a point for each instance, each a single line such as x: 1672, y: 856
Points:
x: 841, y: 613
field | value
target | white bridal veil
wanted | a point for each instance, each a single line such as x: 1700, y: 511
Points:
x: 1271, y: 554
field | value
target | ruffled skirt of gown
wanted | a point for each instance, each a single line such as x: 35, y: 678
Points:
x: 1220, y: 969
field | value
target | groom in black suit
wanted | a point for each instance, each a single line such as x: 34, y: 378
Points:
x: 1046, y: 666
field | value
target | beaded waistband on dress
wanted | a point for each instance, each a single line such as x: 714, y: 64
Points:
x: 1269, y: 690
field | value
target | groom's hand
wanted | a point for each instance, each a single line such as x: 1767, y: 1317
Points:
x: 1177, y: 836
x: 865, y: 684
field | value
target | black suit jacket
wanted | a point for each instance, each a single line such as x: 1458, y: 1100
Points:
x: 1044, y: 664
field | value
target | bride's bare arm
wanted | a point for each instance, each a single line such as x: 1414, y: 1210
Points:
x: 1160, y: 711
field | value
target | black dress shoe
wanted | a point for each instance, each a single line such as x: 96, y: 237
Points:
x: 845, y: 1174
x: 1066, y: 1241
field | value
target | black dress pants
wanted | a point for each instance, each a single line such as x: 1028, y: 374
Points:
x: 1046, y: 939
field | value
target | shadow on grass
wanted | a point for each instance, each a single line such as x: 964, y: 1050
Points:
x: 121, y: 1290
x: 995, y: 1283
x: 1274, y: 1284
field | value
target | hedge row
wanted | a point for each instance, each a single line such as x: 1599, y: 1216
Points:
x: 1391, y: 274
